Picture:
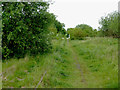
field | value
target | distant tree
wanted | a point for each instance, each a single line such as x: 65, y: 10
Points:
x: 88, y: 29
x: 95, y: 32
x: 76, y: 33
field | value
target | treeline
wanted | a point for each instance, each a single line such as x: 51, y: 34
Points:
x: 27, y: 28
x: 81, y: 31
x: 108, y: 28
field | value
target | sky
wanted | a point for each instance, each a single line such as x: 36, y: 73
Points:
x: 74, y: 12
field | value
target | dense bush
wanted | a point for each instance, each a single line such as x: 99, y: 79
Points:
x: 109, y: 25
x: 76, y: 33
x: 25, y: 28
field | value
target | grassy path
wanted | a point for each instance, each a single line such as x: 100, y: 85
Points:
x: 79, y: 68
x: 98, y: 59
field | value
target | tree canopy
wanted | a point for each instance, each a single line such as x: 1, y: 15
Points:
x: 109, y: 24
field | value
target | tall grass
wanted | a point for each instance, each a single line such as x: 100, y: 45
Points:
x: 27, y: 72
x: 97, y: 58
x: 101, y: 57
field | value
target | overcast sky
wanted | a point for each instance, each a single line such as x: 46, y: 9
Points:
x: 74, y: 12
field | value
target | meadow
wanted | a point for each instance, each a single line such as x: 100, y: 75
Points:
x: 90, y: 63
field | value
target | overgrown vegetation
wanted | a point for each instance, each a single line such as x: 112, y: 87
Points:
x: 97, y: 57
x: 34, y: 42
x: 25, y: 28
x: 101, y: 57
x: 30, y: 22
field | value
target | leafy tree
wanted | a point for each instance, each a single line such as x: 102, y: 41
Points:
x: 109, y: 24
x: 60, y: 27
x: 88, y: 29
x: 25, y: 28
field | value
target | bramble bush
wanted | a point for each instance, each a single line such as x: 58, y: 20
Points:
x: 25, y: 28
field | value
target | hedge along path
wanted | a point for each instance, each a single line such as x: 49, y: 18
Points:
x: 78, y: 65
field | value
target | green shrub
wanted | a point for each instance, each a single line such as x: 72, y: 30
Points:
x: 25, y: 28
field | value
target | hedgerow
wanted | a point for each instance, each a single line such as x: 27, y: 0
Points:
x: 25, y: 28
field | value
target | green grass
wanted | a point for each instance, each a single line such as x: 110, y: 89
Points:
x: 101, y: 57
x: 91, y: 63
